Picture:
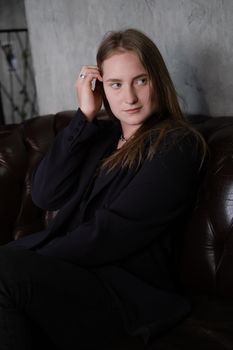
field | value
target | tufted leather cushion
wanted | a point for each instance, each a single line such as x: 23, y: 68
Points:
x: 208, y: 251
x: 21, y: 148
x: 13, y: 162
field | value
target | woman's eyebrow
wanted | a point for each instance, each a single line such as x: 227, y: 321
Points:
x: 115, y: 80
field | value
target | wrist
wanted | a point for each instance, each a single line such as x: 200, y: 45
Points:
x: 88, y: 114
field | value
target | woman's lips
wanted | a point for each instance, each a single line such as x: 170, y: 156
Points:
x: 133, y: 110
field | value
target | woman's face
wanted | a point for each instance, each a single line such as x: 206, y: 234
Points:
x: 128, y: 90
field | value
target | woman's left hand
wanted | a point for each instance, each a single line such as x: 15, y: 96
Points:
x: 90, y: 98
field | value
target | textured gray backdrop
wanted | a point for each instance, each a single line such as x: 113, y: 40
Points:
x: 194, y: 36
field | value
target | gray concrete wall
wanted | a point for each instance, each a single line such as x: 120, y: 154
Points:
x: 194, y: 36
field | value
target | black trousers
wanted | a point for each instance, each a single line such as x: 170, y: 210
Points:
x: 45, y: 302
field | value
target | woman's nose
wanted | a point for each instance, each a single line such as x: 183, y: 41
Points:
x: 130, y: 95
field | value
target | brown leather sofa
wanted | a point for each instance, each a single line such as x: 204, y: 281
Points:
x: 206, y: 267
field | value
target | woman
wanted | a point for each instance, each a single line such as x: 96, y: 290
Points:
x: 105, y: 267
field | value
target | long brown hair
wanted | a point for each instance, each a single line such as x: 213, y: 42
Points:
x: 168, y: 115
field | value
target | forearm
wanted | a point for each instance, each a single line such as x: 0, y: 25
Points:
x: 107, y: 238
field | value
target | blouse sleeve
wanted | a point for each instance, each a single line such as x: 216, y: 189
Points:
x: 57, y: 173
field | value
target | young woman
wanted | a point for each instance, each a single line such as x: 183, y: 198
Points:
x: 106, y: 266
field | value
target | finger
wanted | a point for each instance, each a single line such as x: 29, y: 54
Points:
x: 89, y: 76
x: 90, y: 67
x: 89, y: 70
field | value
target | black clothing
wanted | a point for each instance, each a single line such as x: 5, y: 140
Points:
x: 124, y: 227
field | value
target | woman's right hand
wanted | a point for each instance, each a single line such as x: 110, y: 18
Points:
x: 90, y: 100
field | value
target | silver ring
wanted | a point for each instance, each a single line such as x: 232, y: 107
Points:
x: 82, y: 76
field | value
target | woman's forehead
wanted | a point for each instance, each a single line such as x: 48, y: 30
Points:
x: 123, y: 62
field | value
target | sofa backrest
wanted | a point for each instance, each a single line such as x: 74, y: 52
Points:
x: 21, y: 148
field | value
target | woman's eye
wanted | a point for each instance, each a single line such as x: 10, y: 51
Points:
x: 142, y: 81
x: 116, y: 85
